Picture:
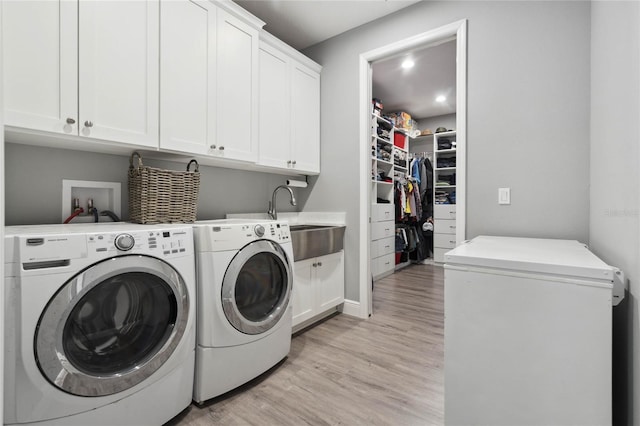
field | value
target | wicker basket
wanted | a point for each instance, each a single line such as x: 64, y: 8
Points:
x: 162, y: 196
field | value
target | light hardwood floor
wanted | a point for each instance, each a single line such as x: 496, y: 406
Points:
x: 387, y: 370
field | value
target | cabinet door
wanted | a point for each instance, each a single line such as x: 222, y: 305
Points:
x: 119, y: 66
x: 40, y: 67
x: 187, y: 75
x: 237, y: 89
x: 303, y: 296
x: 330, y: 280
x: 274, y: 101
x: 305, y: 119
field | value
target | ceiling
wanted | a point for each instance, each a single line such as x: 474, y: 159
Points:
x: 415, y: 90
x: 303, y: 23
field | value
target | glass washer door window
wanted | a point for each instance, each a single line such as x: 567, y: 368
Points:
x: 257, y: 287
x: 112, y: 325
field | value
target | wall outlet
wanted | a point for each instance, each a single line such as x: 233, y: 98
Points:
x: 105, y: 196
x: 504, y: 195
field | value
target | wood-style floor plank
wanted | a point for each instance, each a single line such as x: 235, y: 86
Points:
x: 387, y: 370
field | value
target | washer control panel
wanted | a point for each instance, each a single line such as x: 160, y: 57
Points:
x: 158, y: 242
x: 124, y: 242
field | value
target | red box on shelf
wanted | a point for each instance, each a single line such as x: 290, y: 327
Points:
x: 400, y: 140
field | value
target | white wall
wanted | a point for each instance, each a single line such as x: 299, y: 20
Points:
x: 614, y: 194
x: 35, y: 174
x: 528, y: 116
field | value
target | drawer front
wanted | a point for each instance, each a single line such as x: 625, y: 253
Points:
x: 382, y: 212
x: 386, y: 263
x: 444, y: 241
x: 386, y: 246
x: 444, y: 211
x: 374, y: 249
x: 438, y: 254
x: 382, y: 230
x: 445, y: 226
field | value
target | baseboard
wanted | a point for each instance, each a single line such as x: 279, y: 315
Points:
x: 352, y: 308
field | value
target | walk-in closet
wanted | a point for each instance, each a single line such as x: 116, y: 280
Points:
x: 414, y: 158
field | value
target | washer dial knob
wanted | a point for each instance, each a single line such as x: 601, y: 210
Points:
x: 259, y: 230
x: 124, y: 242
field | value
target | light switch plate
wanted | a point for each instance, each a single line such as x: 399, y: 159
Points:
x: 504, y: 196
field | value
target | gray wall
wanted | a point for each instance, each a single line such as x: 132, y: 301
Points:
x: 432, y: 123
x: 35, y: 174
x: 527, y: 116
x: 614, y: 210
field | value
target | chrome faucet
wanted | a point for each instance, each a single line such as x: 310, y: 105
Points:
x: 272, y: 204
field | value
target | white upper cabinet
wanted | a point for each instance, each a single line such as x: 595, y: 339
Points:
x: 83, y: 68
x: 275, y: 108
x: 119, y: 70
x: 208, y: 89
x: 237, y: 89
x: 289, y: 111
x: 40, y: 64
x: 305, y: 119
x: 187, y: 75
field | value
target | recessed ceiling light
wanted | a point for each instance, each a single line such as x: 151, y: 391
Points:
x: 441, y: 98
x: 408, y: 63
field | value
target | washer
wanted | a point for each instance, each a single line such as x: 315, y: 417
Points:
x: 100, y: 323
x: 244, y: 279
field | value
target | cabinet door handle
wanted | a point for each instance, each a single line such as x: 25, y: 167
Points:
x: 212, y: 147
x: 319, y: 263
x: 289, y: 163
x: 88, y: 124
x: 293, y: 162
x: 315, y: 265
x: 71, y: 121
x: 221, y: 148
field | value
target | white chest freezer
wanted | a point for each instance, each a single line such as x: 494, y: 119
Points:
x: 527, y: 333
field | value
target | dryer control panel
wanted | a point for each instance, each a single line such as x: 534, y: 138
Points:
x: 223, y: 235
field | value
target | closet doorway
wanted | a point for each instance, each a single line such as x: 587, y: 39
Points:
x: 453, y: 36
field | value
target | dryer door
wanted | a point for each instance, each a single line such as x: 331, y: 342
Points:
x: 257, y: 287
x: 112, y: 325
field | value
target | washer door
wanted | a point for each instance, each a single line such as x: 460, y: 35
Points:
x: 112, y: 325
x: 257, y: 287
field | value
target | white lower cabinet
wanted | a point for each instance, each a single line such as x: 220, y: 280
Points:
x: 318, y: 286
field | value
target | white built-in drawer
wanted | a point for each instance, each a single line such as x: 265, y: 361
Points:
x: 385, y: 263
x: 386, y: 246
x: 444, y: 240
x: 444, y: 211
x: 382, y: 212
x: 445, y: 226
x: 374, y: 249
x: 382, y: 230
x: 438, y: 254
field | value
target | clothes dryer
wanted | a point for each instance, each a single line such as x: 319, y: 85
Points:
x: 100, y: 323
x: 244, y: 280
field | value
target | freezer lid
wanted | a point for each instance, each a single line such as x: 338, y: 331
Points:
x: 531, y: 255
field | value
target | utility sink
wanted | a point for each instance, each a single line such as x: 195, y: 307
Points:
x: 316, y: 240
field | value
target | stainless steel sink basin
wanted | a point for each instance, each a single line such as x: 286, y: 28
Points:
x: 316, y: 240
